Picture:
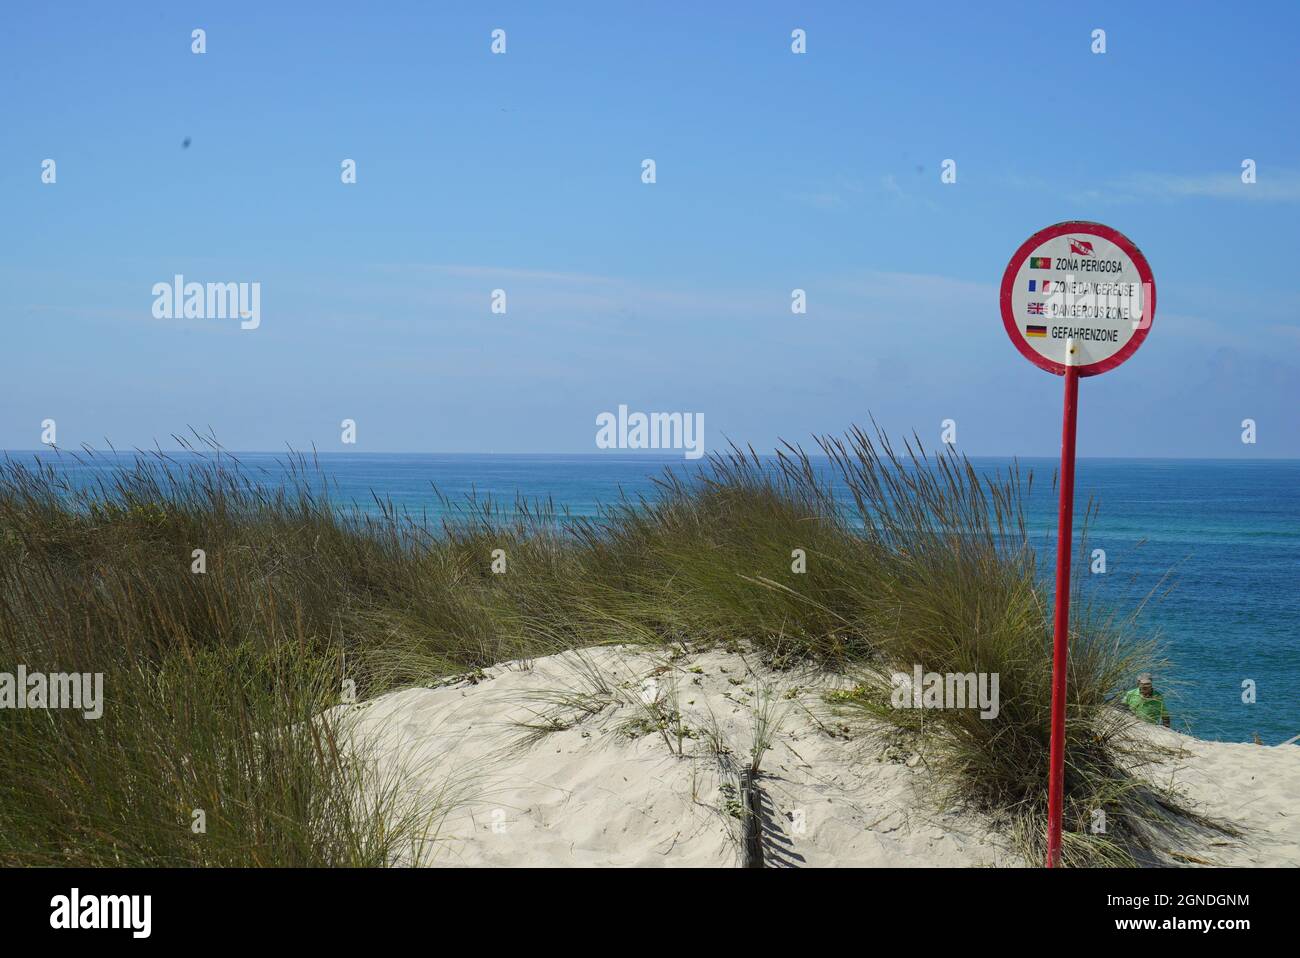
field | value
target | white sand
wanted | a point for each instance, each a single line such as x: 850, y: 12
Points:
x: 1255, y: 787
x: 606, y: 786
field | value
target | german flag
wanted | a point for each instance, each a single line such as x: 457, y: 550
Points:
x: 1033, y: 331
x: 1040, y: 262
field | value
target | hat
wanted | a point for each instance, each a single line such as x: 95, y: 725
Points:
x: 1144, y: 678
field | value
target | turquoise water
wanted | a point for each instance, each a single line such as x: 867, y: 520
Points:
x: 1225, y: 535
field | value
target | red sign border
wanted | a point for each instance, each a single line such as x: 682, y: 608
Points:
x: 1060, y: 229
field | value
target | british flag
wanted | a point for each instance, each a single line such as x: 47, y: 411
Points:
x: 1036, y: 309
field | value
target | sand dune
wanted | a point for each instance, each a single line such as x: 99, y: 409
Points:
x: 1255, y: 787
x: 625, y: 757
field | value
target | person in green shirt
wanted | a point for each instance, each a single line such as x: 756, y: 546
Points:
x: 1146, y: 703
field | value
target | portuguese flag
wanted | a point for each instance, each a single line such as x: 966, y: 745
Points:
x: 1040, y: 262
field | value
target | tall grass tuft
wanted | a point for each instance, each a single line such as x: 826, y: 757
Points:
x: 220, y: 686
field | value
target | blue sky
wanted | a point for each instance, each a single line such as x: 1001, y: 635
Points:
x: 522, y: 172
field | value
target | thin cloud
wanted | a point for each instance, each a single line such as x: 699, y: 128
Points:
x: 1282, y: 329
x: 499, y: 272
x: 1272, y: 186
x: 818, y: 201
x: 1282, y: 186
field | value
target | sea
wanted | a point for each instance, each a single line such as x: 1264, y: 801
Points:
x: 1208, y: 549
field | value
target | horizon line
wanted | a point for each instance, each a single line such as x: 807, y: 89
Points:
x: 623, y: 454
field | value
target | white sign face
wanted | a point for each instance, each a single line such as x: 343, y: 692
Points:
x: 1082, y: 283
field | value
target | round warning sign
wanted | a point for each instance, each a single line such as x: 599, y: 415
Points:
x: 1081, y: 284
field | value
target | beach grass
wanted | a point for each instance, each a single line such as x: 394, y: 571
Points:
x: 221, y: 685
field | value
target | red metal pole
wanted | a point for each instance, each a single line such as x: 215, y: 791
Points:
x: 1061, y: 616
